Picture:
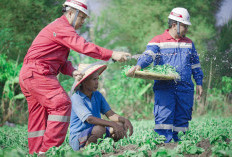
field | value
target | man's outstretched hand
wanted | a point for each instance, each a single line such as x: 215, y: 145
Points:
x: 120, y: 56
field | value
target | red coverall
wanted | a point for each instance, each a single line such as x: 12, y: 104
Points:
x: 49, y: 106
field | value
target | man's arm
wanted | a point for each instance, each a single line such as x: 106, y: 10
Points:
x: 116, y: 118
x: 69, y: 38
x: 67, y: 69
x: 197, y: 72
x: 147, y: 58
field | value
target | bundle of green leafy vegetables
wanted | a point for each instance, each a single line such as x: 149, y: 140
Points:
x: 165, y: 69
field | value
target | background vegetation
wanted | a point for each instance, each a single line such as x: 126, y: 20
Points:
x: 124, y: 25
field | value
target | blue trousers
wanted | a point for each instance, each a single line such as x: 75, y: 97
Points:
x: 78, y: 142
x: 172, y: 111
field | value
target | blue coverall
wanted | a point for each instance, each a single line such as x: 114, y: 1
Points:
x: 173, y: 99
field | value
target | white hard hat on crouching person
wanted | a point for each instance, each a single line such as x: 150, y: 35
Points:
x: 180, y: 15
x: 80, y: 5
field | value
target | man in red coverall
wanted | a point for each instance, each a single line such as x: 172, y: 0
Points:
x: 49, y: 106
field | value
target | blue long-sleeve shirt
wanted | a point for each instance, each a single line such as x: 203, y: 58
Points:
x: 82, y: 108
x: 180, y: 54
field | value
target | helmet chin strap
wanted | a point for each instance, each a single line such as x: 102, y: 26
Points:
x: 75, y: 18
x: 178, y: 28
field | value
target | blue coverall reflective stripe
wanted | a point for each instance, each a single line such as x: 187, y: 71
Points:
x: 173, y: 99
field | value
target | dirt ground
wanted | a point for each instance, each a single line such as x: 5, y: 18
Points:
x: 203, y: 144
x: 121, y: 150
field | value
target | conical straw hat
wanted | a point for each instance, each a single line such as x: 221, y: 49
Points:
x: 90, y: 71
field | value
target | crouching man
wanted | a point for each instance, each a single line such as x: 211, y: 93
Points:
x: 86, y: 125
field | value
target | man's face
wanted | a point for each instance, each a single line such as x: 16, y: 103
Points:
x: 80, y: 19
x: 91, y: 83
x: 183, y: 29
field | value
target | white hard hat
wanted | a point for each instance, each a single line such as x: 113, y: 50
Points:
x: 78, y: 4
x: 180, y: 15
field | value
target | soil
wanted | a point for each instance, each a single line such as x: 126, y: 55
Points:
x: 167, y: 146
x: 121, y: 150
x: 205, y: 144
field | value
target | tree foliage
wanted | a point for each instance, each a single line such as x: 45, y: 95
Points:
x: 223, y: 58
x: 22, y: 20
x: 133, y: 23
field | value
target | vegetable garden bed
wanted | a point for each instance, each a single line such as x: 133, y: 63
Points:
x: 206, y: 137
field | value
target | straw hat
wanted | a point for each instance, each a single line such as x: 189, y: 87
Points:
x: 90, y: 71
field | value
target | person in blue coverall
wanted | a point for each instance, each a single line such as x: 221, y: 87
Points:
x: 86, y: 125
x: 173, y: 99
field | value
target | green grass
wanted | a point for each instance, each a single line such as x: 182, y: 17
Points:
x: 207, y: 137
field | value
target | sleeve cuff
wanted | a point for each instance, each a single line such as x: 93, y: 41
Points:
x: 83, y: 119
x: 67, y: 69
x: 106, y: 54
x: 104, y: 112
x: 199, y: 82
x: 141, y: 65
x: 71, y: 71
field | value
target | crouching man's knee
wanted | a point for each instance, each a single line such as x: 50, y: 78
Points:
x: 97, y: 132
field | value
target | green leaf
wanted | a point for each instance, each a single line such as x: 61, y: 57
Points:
x: 144, y: 89
x: 19, y: 96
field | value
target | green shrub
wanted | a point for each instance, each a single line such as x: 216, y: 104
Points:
x: 10, y: 93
